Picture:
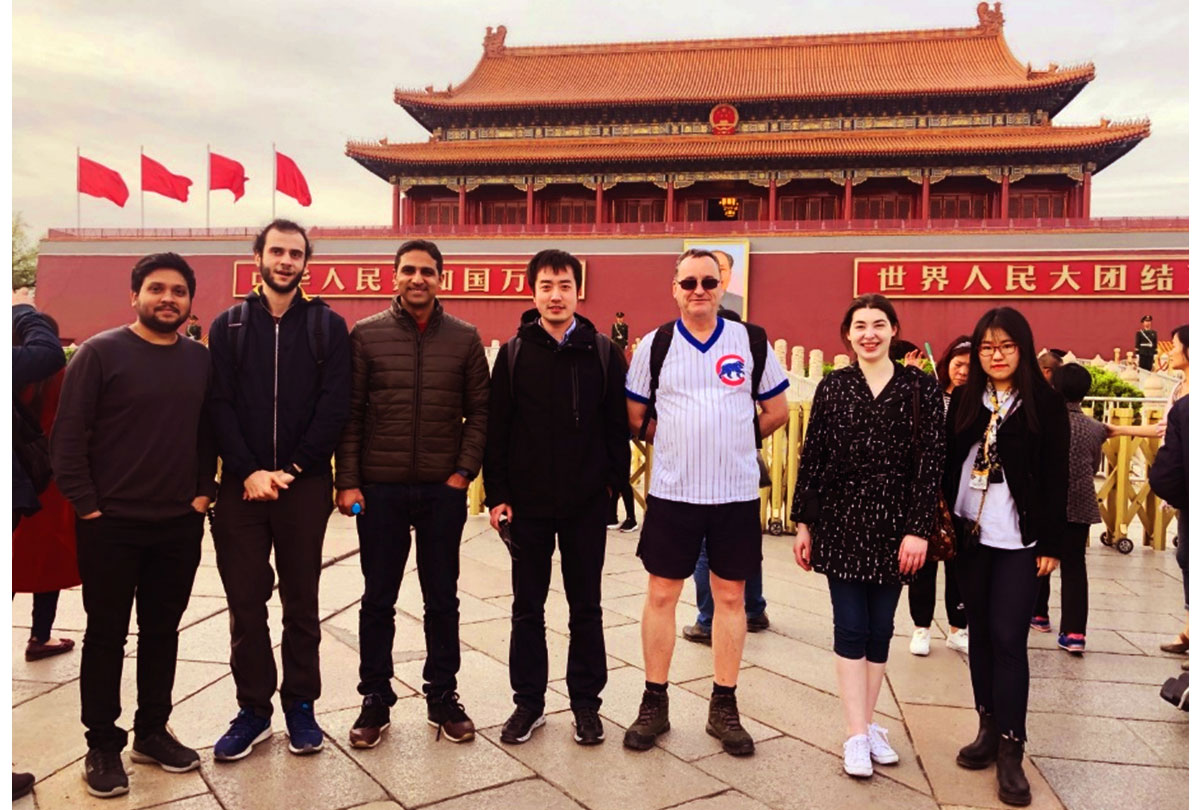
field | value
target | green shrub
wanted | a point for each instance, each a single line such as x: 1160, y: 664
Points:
x: 69, y: 351
x: 1107, y: 384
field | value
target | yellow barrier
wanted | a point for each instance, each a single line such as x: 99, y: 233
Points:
x: 1125, y: 494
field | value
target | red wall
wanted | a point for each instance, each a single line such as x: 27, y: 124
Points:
x: 799, y: 297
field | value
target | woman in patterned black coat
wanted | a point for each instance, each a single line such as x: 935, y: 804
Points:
x: 866, y: 501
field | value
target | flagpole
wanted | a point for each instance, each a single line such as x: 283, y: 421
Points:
x: 274, y: 177
x: 141, y: 175
x: 208, y: 188
x: 78, y: 196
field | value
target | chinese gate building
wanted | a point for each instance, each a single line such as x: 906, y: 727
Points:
x: 922, y: 164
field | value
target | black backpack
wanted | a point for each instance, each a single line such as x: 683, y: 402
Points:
x: 31, y: 447
x: 318, y: 334
x: 1175, y: 691
x: 603, y: 350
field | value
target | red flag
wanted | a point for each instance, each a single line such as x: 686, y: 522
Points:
x: 226, y: 173
x: 156, y: 178
x: 101, y: 181
x: 289, y: 180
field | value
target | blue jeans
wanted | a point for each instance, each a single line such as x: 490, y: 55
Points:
x: 755, y: 604
x: 864, y: 616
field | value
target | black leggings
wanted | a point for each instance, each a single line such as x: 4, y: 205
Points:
x: 922, y: 594
x: 1073, y: 570
x: 1000, y: 587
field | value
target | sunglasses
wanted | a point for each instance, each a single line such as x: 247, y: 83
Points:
x: 708, y: 283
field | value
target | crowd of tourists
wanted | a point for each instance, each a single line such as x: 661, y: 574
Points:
x: 984, y: 465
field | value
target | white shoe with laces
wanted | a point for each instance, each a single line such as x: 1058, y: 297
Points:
x: 856, y: 756
x: 881, y: 750
x: 958, y: 640
x: 920, y: 641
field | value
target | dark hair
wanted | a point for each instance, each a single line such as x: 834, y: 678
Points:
x: 419, y: 244
x: 1050, y: 360
x: 898, y: 348
x: 870, y: 301
x: 283, y: 226
x: 162, y: 261
x: 1026, y: 379
x: 1059, y: 353
x: 1147, y: 318
x: 1073, y: 381
x: 1182, y: 333
x: 697, y: 253
x: 554, y: 260
x: 959, y: 346
x: 726, y: 254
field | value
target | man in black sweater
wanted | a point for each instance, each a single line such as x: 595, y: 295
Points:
x: 281, y: 394
x: 557, y: 447
x: 132, y: 451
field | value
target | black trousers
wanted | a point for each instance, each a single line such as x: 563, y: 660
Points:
x: 625, y: 493
x: 120, y: 561
x: 1000, y: 588
x: 922, y: 594
x: 244, y: 533
x: 437, y: 512
x: 1073, y: 568
x: 581, y: 541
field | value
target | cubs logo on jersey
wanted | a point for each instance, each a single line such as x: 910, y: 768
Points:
x: 731, y: 369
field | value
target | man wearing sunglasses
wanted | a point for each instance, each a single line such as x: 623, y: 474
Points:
x: 704, y: 485
x: 418, y: 415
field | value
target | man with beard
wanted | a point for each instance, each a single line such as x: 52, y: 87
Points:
x: 133, y: 453
x: 281, y: 392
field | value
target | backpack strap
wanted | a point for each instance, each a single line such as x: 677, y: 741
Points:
x: 239, y: 318
x: 658, y: 354
x: 514, y: 346
x: 318, y: 336
x: 604, y: 351
x: 758, y: 354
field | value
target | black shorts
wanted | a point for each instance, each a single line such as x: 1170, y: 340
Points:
x: 672, y: 532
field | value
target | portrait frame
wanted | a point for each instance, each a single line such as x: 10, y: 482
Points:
x: 737, y: 291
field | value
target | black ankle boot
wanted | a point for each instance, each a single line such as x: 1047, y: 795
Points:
x: 982, y: 752
x: 1010, y: 776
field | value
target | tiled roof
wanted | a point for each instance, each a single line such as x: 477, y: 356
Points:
x: 957, y: 142
x: 939, y: 62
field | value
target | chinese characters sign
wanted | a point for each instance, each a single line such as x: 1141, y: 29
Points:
x: 485, y: 278
x: 1024, y: 277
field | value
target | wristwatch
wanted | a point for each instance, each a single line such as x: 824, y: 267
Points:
x: 292, y: 470
x: 465, y: 474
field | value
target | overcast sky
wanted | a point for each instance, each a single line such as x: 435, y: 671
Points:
x: 239, y: 74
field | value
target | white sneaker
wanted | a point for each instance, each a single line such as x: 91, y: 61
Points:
x: 856, y: 756
x: 920, y: 642
x: 958, y: 640
x: 881, y: 751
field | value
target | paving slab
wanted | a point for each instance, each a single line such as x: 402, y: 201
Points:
x: 528, y: 793
x: 1096, y: 739
x: 688, y: 660
x: 1168, y: 741
x: 27, y: 690
x: 1124, y: 700
x: 491, y: 637
x: 1099, y: 640
x: 484, y: 580
x: 941, y: 678
x: 470, y: 608
x: 149, y: 786
x: 416, y: 768
x: 205, y: 801
x: 609, y: 776
x: 1098, y: 666
x: 1150, y: 643
x: 729, y: 800
x: 1106, y: 786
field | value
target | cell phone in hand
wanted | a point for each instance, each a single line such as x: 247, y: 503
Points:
x: 506, y: 532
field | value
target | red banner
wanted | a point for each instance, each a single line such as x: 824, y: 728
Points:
x: 481, y: 278
x: 1024, y: 277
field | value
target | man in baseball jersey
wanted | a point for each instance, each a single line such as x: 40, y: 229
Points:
x: 704, y: 487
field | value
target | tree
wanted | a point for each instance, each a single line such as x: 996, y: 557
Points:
x: 24, y: 255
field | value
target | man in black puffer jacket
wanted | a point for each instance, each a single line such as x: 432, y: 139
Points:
x: 557, y: 447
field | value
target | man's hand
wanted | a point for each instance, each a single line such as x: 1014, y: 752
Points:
x: 457, y: 481
x: 497, y: 511
x: 912, y: 553
x: 346, y: 498
x: 802, y: 548
x: 282, y: 479
x: 90, y: 515
x: 1046, y: 565
x: 24, y: 295
x: 200, y: 503
x: 261, y: 486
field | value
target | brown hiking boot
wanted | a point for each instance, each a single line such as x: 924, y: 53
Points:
x: 446, y: 714
x: 652, y: 720
x: 725, y: 724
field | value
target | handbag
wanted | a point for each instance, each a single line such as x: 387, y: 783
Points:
x: 942, y: 543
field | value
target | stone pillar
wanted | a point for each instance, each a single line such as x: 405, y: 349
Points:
x: 840, y: 361
x: 1004, y: 196
x: 925, y: 212
x: 1086, y: 196
x: 797, y: 365
x: 669, y: 214
x: 396, y: 220
x: 529, y: 203
x: 771, y: 200
x: 462, y: 205
x: 848, y: 201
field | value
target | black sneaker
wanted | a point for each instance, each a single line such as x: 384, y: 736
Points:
x: 630, y: 525
x: 104, y: 773
x: 447, y: 715
x: 372, y: 721
x: 22, y: 784
x: 652, y: 720
x: 588, y: 728
x: 162, y: 749
x: 758, y: 623
x: 519, y: 726
x: 725, y: 724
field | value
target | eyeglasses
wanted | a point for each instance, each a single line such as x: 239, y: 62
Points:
x: 689, y: 284
x: 1007, y: 348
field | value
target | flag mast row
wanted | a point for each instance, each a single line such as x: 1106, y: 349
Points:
x: 97, y: 180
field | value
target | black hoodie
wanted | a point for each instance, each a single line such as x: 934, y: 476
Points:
x: 557, y: 434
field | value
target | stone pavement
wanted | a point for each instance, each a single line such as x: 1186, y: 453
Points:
x: 1100, y: 735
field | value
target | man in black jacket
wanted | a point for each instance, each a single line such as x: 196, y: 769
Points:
x: 281, y: 375
x: 557, y: 446
x: 1169, y: 481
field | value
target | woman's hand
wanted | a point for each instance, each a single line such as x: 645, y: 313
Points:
x: 802, y: 548
x: 912, y: 553
x: 1046, y: 565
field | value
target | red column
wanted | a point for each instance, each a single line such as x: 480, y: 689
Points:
x: 848, y: 201
x: 1004, y: 197
x: 1086, y: 196
x: 771, y: 197
x: 462, y: 205
x: 670, y: 212
x: 599, y: 200
x: 396, y: 207
x: 925, y: 209
x: 529, y: 203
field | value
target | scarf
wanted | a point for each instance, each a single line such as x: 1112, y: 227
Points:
x: 987, y: 460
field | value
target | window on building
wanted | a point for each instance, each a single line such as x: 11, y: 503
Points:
x: 641, y: 210
x: 695, y: 210
x: 570, y: 211
x: 882, y: 206
x: 435, y: 212
x: 502, y: 212
x: 957, y: 206
x: 1044, y: 204
x: 814, y: 207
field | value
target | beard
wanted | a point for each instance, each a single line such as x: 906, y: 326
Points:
x: 150, y: 320
x: 268, y: 278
